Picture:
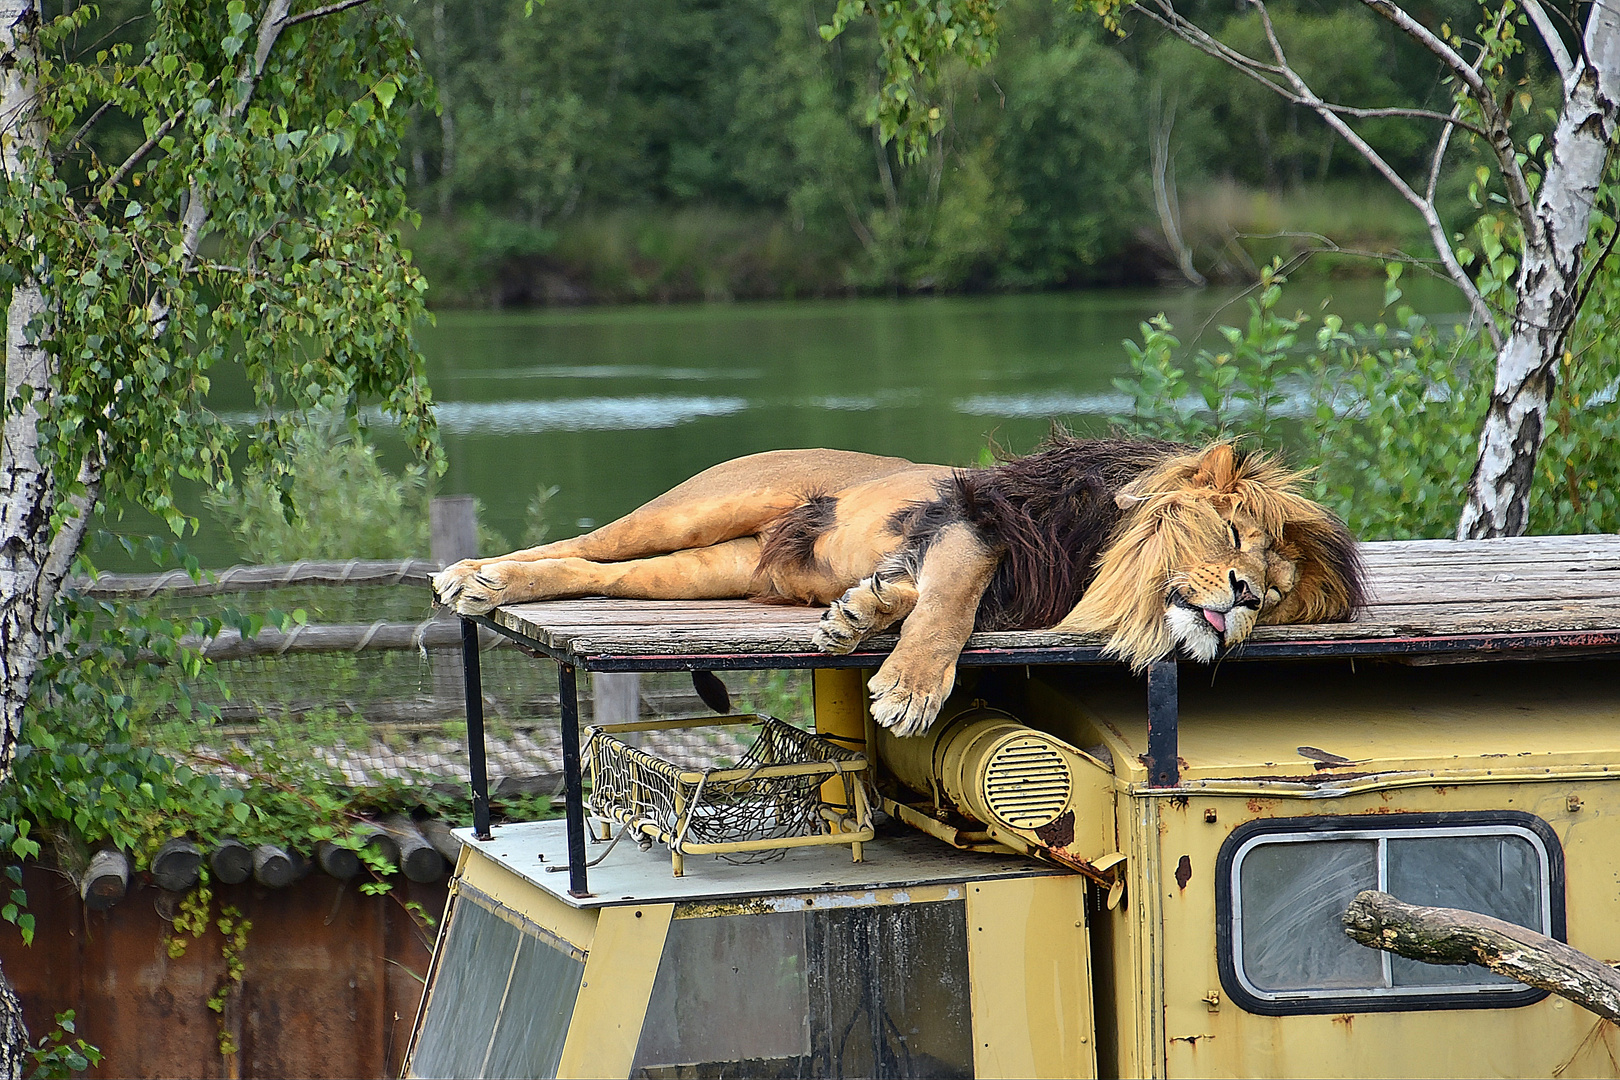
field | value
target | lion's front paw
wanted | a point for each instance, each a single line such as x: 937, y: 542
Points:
x: 840, y: 630
x: 906, y: 701
x: 448, y: 583
x: 483, y: 590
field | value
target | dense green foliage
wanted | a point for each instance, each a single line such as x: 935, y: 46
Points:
x: 302, y: 282
x: 1386, y: 416
x: 629, y: 149
x: 152, y: 111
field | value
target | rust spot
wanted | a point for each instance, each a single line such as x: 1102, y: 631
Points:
x: 1179, y: 802
x: 1346, y: 1019
x: 1058, y: 833
x: 1183, y: 872
x: 1256, y: 806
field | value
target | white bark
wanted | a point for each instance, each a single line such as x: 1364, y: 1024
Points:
x: 25, y: 487
x: 1548, y: 287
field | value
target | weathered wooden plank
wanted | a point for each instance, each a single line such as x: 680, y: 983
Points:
x: 1527, y: 544
x: 1419, y: 588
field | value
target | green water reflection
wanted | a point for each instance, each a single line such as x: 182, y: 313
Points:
x: 614, y: 405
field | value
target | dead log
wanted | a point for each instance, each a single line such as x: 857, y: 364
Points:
x: 231, y: 861
x: 418, y: 860
x: 1451, y: 936
x: 443, y: 840
x: 177, y: 864
x: 277, y: 867
x: 340, y: 862
x: 381, y: 842
x: 105, y: 880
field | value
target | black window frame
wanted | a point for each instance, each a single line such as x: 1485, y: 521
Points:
x: 1390, y: 825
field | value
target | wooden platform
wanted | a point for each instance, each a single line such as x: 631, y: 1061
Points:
x: 1434, y: 597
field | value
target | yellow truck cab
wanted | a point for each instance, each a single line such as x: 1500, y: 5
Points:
x: 1077, y: 871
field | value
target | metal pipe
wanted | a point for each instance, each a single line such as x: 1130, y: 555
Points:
x: 472, y: 680
x: 573, y: 785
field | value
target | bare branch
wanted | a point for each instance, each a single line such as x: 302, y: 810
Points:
x: 1439, y: 159
x: 1164, y: 13
x: 1499, y: 139
x: 134, y: 159
x: 322, y: 12
x: 65, y: 544
x: 1437, y: 229
x: 84, y: 129
x: 1550, y: 38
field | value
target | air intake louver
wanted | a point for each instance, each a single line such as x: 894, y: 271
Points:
x: 1027, y: 783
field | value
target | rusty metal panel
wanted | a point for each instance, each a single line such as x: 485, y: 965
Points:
x: 1207, y: 1034
x: 330, y: 983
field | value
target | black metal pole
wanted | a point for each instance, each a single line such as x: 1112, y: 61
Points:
x: 1164, y: 713
x: 473, y: 680
x: 573, y: 786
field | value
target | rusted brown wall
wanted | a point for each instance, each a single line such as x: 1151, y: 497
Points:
x: 331, y: 984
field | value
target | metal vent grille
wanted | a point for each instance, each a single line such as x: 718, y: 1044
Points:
x: 1027, y: 783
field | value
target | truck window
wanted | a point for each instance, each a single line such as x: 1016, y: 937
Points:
x: 502, y: 998
x: 1283, y: 884
x: 873, y: 991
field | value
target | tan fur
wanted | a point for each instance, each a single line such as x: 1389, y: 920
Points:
x: 712, y: 537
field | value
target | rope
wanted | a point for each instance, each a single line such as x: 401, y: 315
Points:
x: 365, y: 639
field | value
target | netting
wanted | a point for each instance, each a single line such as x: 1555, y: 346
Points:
x: 747, y: 802
x: 376, y: 717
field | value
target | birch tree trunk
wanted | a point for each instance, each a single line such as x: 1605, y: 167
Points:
x: 1548, y: 287
x: 27, y: 491
x: 26, y: 495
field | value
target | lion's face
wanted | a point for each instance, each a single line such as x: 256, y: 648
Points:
x: 1216, y: 599
x: 1209, y: 545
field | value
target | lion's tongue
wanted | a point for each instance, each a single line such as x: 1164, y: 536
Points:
x: 1217, y: 619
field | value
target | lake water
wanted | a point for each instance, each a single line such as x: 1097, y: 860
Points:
x: 612, y: 406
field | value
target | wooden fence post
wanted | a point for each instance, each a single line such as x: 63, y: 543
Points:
x: 616, y: 699
x: 453, y: 525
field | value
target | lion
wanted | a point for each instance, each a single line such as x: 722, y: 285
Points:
x: 1157, y: 545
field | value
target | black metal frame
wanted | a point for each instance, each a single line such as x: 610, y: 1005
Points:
x: 1163, y: 704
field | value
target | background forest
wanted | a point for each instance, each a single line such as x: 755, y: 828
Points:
x: 718, y: 149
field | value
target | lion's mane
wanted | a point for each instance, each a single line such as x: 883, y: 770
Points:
x: 1169, y: 520
x: 1091, y: 533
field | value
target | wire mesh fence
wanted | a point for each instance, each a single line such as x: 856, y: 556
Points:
x: 371, y: 685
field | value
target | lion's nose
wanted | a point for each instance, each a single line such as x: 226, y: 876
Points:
x: 1243, y: 594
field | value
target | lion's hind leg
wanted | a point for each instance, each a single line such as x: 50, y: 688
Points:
x: 719, y: 572
x: 871, y: 607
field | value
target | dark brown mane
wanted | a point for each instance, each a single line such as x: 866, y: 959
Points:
x: 1052, y: 513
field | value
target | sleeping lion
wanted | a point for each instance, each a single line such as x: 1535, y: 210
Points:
x: 1154, y: 544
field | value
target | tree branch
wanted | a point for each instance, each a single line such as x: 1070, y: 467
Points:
x: 84, y: 129
x: 1167, y: 16
x: 1451, y: 936
x: 65, y: 544
x: 1437, y: 229
x: 322, y: 12
x: 1552, y: 39
x: 134, y: 159
x: 1499, y: 139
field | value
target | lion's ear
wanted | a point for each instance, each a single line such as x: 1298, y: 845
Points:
x: 1217, y: 468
